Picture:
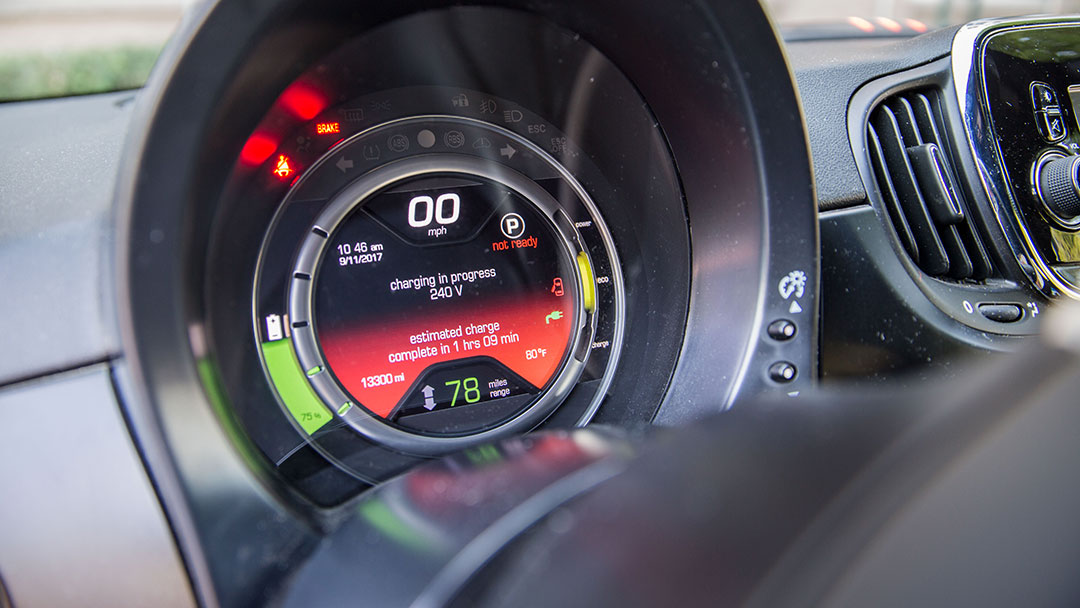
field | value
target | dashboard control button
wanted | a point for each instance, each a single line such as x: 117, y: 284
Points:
x: 783, y: 372
x: 1043, y: 96
x: 1051, y: 124
x: 782, y: 330
x: 1002, y: 313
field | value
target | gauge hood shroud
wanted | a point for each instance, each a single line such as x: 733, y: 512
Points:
x: 713, y: 74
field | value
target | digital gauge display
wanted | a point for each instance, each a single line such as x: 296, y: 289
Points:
x: 445, y: 291
x: 431, y: 299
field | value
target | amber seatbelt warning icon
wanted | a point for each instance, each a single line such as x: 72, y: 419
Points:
x: 282, y: 169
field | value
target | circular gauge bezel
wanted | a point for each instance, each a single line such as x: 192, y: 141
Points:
x: 301, y: 307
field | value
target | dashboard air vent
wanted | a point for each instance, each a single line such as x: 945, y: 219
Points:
x: 909, y: 157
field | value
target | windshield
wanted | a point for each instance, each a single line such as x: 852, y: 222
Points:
x: 56, y: 48
x: 933, y: 13
x: 53, y: 48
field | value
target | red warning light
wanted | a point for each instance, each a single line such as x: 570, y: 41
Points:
x: 303, y: 101
x: 327, y: 128
x: 258, y: 148
x: 283, y: 169
x: 557, y: 287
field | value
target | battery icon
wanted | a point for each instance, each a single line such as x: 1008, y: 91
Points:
x: 273, y: 328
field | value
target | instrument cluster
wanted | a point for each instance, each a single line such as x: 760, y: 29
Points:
x: 440, y: 248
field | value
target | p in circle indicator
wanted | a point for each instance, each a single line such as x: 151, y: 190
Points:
x: 512, y: 225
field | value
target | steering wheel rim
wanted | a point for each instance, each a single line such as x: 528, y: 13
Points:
x: 945, y: 496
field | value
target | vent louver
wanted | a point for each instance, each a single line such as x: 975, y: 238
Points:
x: 918, y: 188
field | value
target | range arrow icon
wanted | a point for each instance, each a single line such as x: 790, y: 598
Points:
x: 429, y: 397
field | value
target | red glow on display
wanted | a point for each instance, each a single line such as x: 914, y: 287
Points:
x: 363, y: 350
x: 283, y: 169
x: 258, y: 148
x: 327, y: 128
x: 303, y: 101
x: 862, y: 24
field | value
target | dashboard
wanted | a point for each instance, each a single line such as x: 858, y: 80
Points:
x: 394, y: 303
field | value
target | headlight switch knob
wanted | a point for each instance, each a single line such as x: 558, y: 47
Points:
x: 1058, y: 186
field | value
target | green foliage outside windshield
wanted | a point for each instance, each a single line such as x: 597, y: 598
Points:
x: 37, y: 75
